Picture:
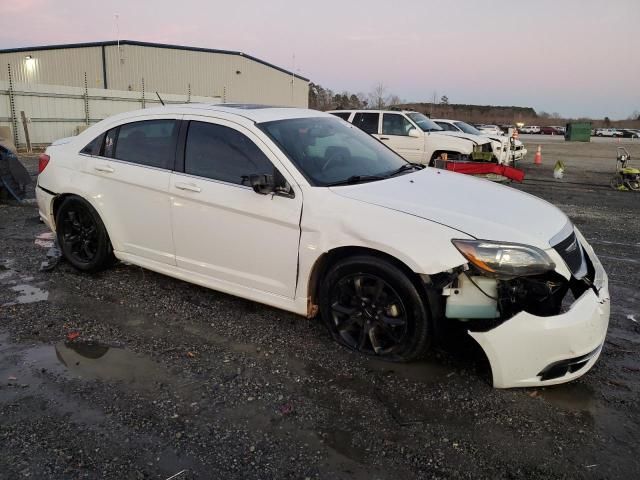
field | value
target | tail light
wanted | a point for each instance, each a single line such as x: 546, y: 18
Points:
x: 43, y: 161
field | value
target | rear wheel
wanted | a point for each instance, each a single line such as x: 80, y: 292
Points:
x: 82, y: 236
x: 371, y: 306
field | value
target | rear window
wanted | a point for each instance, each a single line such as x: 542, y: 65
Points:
x: 93, y: 147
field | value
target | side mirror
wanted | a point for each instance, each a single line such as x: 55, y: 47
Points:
x: 266, y: 184
x: 262, y: 184
x: 414, y: 133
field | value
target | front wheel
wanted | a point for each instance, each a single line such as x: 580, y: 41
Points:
x: 371, y: 306
x: 82, y: 236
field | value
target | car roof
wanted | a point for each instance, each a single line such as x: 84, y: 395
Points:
x: 360, y: 110
x: 253, y: 112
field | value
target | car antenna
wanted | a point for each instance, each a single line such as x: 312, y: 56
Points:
x: 160, y: 98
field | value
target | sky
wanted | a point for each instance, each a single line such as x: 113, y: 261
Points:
x: 574, y: 57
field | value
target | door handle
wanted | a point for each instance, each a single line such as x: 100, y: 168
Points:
x: 188, y: 186
x: 104, y: 168
x: 384, y: 138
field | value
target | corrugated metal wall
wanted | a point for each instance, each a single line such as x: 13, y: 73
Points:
x: 235, y: 78
x: 64, y: 66
x: 210, y: 74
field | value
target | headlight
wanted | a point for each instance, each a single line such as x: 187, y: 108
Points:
x: 504, y: 260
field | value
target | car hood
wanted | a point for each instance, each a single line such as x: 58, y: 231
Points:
x: 477, y: 207
x: 477, y: 139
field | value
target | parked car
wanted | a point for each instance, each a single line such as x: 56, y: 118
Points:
x: 530, y: 129
x: 414, y: 136
x: 607, y: 132
x: 299, y: 210
x: 630, y: 132
x: 550, y: 131
x: 491, y: 129
x: 503, y: 150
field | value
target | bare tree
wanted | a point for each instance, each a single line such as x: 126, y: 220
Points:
x: 394, y: 100
x: 377, y: 98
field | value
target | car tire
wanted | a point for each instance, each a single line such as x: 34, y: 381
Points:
x: 371, y: 306
x: 82, y: 236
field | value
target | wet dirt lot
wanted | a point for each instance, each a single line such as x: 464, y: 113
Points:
x: 130, y: 374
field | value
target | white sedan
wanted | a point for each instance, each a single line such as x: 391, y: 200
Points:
x: 299, y: 210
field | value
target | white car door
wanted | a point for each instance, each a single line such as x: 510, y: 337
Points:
x: 222, y: 228
x: 129, y: 174
x: 395, y: 134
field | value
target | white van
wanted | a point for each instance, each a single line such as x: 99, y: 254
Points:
x: 416, y: 137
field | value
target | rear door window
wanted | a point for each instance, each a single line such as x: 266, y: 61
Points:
x: 367, y: 122
x: 151, y: 143
x: 222, y: 153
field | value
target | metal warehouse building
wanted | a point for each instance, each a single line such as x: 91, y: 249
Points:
x: 139, y: 66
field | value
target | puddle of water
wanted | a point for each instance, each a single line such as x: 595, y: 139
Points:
x: 28, y: 294
x: 571, y: 396
x: 89, y: 360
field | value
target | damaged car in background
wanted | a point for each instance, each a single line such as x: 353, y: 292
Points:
x: 506, y: 150
x: 302, y: 211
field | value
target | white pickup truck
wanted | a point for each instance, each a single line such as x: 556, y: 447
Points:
x: 415, y: 137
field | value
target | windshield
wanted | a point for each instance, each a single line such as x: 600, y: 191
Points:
x: 466, y: 128
x: 424, y: 122
x: 329, y: 151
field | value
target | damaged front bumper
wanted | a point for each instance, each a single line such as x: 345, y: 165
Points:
x: 533, y: 351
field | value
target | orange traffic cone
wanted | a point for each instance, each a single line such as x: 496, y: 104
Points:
x: 538, y: 157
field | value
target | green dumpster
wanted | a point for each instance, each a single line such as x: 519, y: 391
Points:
x: 578, y: 132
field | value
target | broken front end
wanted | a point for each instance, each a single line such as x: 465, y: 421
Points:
x: 540, y: 316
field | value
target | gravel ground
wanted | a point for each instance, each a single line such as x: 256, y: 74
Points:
x: 166, y: 377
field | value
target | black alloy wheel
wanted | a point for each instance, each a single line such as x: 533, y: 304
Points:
x: 370, y: 306
x: 82, y: 236
x: 368, y: 314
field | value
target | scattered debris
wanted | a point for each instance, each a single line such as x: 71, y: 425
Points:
x: 558, y: 170
x: 45, y: 240
x: 632, y: 318
x: 12, y: 378
x: 286, y: 408
x: 191, y: 354
x: 54, y: 255
x: 71, y: 336
x: 175, y: 475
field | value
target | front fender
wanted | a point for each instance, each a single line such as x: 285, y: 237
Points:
x: 423, y: 246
